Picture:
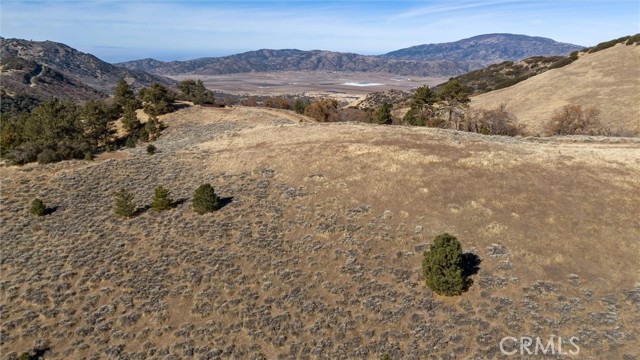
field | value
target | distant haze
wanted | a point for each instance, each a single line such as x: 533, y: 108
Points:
x: 117, y: 30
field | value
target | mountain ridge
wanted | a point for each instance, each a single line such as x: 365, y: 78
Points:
x: 449, y: 59
x: 272, y: 60
x: 44, y: 69
x: 483, y: 47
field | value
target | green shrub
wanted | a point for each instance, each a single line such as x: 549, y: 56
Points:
x: 123, y: 204
x: 382, y: 115
x: 442, y: 266
x: 161, y: 199
x: 38, y: 208
x: 151, y: 149
x: 205, y: 199
x: 561, y: 63
x: 131, y: 142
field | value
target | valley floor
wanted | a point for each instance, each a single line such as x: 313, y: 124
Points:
x: 318, y: 252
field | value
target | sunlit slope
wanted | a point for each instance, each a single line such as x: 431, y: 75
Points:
x: 608, y: 80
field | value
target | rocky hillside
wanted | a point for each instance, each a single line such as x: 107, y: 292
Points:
x: 486, y: 49
x: 266, y: 60
x: 317, y: 252
x: 607, y: 78
x: 41, y: 70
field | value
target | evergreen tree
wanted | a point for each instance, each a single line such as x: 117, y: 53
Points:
x: 124, y: 204
x: 130, y: 119
x: 38, y: 208
x: 195, y: 91
x: 123, y: 94
x: 156, y: 100
x: 422, y: 107
x: 442, y: 266
x: 96, y: 118
x: 161, y: 199
x: 205, y: 199
x: 383, y: 114
x: 455, y: 99
x: 153, y: 127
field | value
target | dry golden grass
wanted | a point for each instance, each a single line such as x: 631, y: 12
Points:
x: 322, y: 242
x: 608, y: 80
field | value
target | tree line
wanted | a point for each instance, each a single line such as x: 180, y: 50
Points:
x: 59, y: 130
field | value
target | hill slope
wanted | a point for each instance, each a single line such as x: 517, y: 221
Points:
x: 486, y: 49
x: 45, y: 69
x: 318, y: 251
x: 608, y: 80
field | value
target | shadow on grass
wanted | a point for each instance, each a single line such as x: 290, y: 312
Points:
x: 50, y: 210
x: 470, y: 266
x: 142, y: 210
x: 179, y: 202
x: 224, y: 202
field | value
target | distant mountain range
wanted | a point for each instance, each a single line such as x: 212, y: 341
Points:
x: 32, y: 71
x: 267, y: 60
x: 37, y: 71
x: 485, y: 49
x: 446, y: 59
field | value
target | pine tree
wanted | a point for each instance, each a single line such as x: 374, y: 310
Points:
x: 38, y: 208
x: 455, y: 99
x: 161, y: 199
x: 422, y: 107
x: 156, y: 100
x: 152, y: 127
x: 123, y: 94
x: 383, y: 114
x: 205, y: 199
x: 442, y: 266
x: 130, y: 119
x: 124, y: 204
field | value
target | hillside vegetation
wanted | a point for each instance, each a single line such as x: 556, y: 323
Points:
x: 318, y: 251
x: 508, y: 73
x: 607, y: 79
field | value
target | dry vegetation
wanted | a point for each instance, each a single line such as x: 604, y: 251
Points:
x: 607, y: 80
x: 317, y: 253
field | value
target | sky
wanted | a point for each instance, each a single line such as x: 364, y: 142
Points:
x: 115, y: 30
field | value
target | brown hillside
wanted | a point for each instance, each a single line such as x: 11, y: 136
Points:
x: 608, y: 80
x: 317, y: 254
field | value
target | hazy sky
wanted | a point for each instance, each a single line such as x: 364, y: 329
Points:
x: 177, y: 30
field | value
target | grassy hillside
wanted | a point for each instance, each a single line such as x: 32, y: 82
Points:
x: 608, y: 79
x: 508, y: 73
x: 317, y: 253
